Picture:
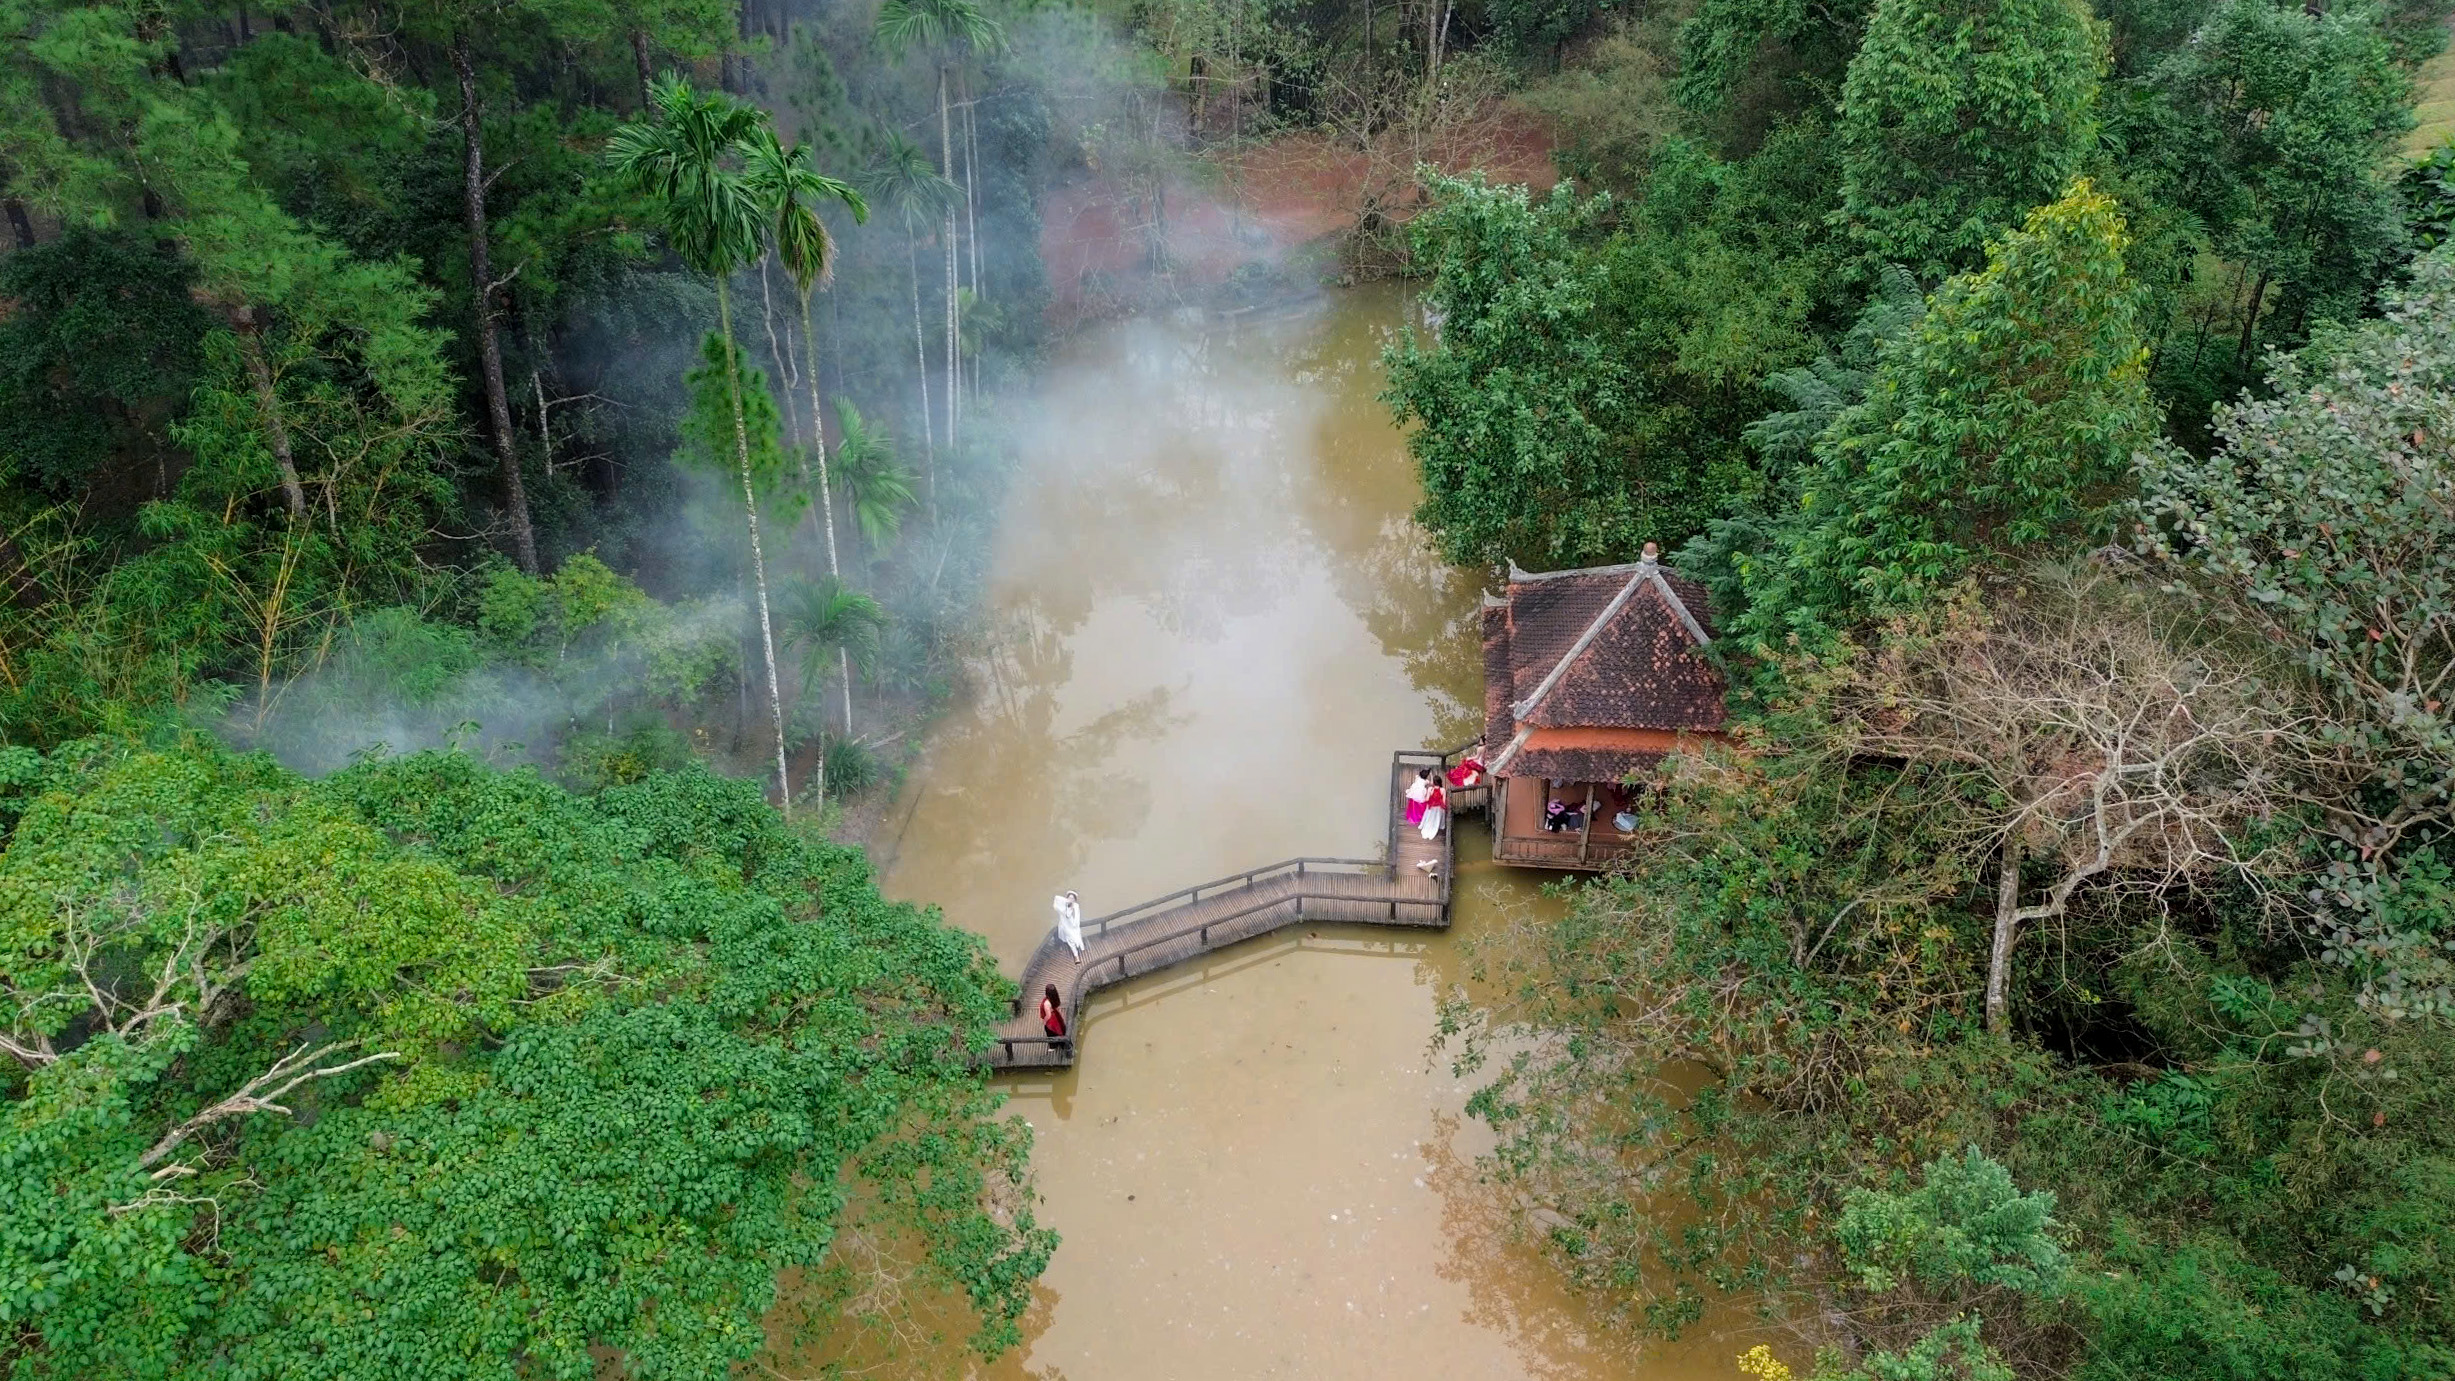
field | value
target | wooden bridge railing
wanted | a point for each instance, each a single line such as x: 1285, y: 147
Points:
x: 1053, y: 1042
x: 1577, y: 850
x: 1116, y: 967
x: 1246, y: 879
x: 1300, y: 868
x: 1298, y: 898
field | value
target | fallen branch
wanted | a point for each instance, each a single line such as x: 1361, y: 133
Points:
x: 298, y: 1067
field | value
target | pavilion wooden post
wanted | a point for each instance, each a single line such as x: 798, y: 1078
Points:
x: 1585, y: 827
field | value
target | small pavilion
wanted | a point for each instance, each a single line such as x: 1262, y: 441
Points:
x: 1590, y: 678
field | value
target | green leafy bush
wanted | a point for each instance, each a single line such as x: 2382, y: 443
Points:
x: 852, y: 766
x: 534, y: 1075
x: 1966, y: 1226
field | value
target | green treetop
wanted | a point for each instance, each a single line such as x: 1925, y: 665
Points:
x: 2273, y: 130
x: 2001, y: 425
x: 1594, y: 359
x: 1958, y: 117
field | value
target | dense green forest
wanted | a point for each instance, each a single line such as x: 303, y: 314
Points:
x: 2050, y: 976
x: 477, y: 487
x: 481, y: 487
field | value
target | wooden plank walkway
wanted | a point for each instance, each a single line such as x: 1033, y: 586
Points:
x: 1393, y: 890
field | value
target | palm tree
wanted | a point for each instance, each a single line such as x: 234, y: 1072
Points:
x: 681, y: 158
x: 793, y: 191
x: 899, y: 176
x: 876, y: 488
x: 825, y: 616
x: 945, y: 27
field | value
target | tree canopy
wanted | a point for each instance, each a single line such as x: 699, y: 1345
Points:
x: 443, y: 1070
x: 1958, y: 119
x: 1593, y: 360
x: 349, y: 404
x: 2046, y: 973
x: 2002, y: 422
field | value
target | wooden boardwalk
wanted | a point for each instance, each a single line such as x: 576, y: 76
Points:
x: 1393, y: 890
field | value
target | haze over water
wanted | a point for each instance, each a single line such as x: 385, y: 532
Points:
x: 1213, y: 622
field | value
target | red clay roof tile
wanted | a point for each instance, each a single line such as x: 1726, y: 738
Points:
x: 1643, y: 666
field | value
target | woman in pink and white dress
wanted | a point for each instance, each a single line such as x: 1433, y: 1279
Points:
x: 1419, y: 791
x: 1436, y: 810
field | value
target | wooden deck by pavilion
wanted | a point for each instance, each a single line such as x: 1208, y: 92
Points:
x: 1389, y: 891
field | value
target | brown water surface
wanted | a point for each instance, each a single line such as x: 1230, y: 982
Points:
x: 1213, y: 621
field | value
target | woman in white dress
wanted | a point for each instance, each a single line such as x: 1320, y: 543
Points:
x: 1070, y: 923
x: 1436, y: 809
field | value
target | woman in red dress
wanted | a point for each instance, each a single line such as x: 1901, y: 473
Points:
x: 1469, y: 771
x: 1052, y: 1016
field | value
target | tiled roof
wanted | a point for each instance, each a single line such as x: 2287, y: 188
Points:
x: 1642, y: 669
x: 1499, y: 687
x: 1607, y: 646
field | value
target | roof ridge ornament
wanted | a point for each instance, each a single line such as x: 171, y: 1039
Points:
x: 1679, y: 607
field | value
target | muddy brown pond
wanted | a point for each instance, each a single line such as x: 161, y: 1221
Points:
x: 1212, y: 621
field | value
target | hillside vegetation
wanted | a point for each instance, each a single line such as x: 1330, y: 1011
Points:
x: 2050, y: 976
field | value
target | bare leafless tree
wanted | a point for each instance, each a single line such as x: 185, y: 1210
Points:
x: 139, y: 964
x: 2110, y: 749
x: 190, y: 979
x: 1384, y: 124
